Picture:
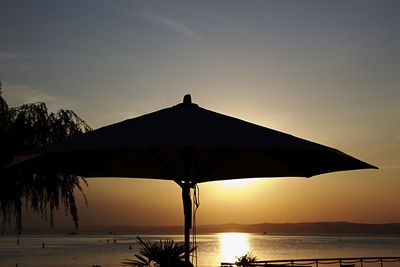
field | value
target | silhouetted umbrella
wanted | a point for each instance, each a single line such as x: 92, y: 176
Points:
x: 189, y: 145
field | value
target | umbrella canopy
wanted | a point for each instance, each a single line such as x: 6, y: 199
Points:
x: 187, y: 144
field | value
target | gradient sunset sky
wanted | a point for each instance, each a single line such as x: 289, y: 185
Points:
x: 326, y: 71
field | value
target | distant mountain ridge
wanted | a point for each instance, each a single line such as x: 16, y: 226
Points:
x: 310, y: 228
x: 306, y: 228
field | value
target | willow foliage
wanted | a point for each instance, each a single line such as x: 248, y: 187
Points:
x: 23, y: 128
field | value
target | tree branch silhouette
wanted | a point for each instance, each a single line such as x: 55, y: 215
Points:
x: 26, y: 127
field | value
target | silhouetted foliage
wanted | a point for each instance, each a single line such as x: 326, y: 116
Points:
x: 164, y: 253
x: 23, y: 128
x: 246, y: 260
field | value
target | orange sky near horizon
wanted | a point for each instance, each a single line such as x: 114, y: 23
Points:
x: 323, y: 71
x: 328, y: 197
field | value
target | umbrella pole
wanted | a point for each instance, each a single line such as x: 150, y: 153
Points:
x: 187, y: 211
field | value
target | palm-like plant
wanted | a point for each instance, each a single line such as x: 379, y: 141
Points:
x: 163, y: 253
x: 246, y: 260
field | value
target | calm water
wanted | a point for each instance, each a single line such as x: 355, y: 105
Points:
x: 88, y: 250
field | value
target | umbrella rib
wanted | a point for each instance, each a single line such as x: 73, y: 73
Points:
x: 218, y: 157
x: 290, y: 168
x: 153, y: 157
x: 187, y: 154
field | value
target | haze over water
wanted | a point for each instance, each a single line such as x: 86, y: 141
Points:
x: 88, y: 250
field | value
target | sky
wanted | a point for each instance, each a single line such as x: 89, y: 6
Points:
x: 326, y: 71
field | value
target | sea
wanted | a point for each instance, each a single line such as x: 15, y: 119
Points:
x: 109, y: 250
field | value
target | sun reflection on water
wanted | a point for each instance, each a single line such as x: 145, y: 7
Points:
x: 233, y: 245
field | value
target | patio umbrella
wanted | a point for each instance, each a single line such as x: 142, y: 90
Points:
x: 189, y: 145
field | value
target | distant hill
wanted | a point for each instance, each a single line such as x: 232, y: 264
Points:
x: 312, y: 228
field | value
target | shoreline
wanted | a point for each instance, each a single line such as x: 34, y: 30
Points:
x: 314, y: 228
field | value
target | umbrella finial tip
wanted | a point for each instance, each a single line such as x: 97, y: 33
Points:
x: 187, y: 99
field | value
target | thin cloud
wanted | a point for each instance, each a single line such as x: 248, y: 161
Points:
x: 389, y: 167
x: 15, y: 55
x: 130, y: 9
x: 7, y: 55
x: 175, y: 26
x: 17, y: 95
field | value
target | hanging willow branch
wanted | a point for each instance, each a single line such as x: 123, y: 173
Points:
x: 23, y: 128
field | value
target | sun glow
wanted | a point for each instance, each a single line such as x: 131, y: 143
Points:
x: 233, y: 245
x: 236, y: 182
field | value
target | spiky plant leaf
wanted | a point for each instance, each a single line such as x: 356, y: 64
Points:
x: 165, y: 253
